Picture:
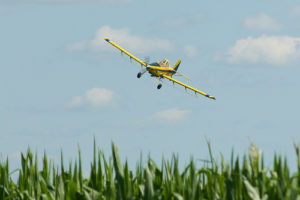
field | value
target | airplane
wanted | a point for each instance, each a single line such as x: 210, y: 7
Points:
x: 160, y: 69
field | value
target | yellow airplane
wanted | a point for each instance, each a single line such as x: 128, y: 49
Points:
x: 160, y: 70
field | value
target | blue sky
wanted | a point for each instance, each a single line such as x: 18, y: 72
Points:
x: 61, y: 84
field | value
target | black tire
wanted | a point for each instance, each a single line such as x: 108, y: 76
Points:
x: 139, y: 75
x: 159, y: 86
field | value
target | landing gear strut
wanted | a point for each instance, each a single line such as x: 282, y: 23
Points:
x: 159, y: 84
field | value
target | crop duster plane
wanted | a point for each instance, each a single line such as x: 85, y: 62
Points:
x: 160, y: 69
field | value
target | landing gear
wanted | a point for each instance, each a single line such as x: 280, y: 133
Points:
x: 159, y: 86
x: 139, y: 75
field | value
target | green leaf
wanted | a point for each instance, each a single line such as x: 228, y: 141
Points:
x: 252, y: 191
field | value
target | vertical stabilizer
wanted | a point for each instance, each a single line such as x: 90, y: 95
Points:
x: 177, y: 65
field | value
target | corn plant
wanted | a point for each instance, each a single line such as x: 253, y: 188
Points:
x: 244, y: 178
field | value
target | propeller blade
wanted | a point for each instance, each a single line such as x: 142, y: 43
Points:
x: 147, y: 59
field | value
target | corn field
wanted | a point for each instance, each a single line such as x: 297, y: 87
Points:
x: 245, y: 178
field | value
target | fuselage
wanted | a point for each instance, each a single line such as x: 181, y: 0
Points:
x: 157, y: 69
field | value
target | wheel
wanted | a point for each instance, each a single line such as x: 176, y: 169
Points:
x: 139, y: 75
x: 159, y: 86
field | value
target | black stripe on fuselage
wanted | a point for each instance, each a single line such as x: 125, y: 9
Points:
x: 162, y: 70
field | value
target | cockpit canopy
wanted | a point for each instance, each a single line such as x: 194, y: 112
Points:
x: 163, y: 63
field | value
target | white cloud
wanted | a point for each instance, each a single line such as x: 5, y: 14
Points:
x: 76, y: 101
x: 94, y: 98
x: 190, y: 50
x: 172, y: 115
x: 275, y: 50
x: 124, y: 38
x: 262, y: 22
x: 98, y: 97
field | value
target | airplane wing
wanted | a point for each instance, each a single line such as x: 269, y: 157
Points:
x: 126, y: 52
x: 189, y: 87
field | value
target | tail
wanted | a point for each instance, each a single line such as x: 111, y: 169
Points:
x: 177, y: 65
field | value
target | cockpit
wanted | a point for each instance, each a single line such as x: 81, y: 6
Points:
x: 163, y: 63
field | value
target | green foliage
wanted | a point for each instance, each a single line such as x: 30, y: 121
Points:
x: 109, y: 179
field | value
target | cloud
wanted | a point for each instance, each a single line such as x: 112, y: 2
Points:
x: 94, y: 98
x: 190, y: 50
x: 172, y: 115
x: 98, y: 97
x: 76, y: 102
x: 262, y: 22
x: 275, y: 50
x: 123, y: 37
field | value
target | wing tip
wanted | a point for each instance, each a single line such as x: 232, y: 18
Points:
x: 106, y: 39
x: 211, y: 97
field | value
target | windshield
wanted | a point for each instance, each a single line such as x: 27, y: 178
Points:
x: 164, y: 63
x: 155, y: 64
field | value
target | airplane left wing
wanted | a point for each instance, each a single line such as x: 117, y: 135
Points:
x: 126, y: 52
x: 189, y: 87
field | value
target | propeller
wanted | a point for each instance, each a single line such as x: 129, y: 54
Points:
x: 147, y: 60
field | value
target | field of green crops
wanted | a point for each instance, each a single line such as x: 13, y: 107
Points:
x: 241, y: 178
